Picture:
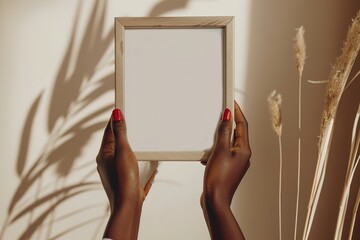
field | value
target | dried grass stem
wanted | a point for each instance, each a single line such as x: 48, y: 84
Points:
x: 300, y: 56
x: 337, y: 81
x: 274, y: 104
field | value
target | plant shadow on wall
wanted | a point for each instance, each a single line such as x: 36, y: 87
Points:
x: 70, y: 127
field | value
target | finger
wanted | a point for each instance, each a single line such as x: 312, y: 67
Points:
x: 223, y: 136
x: 107, y: 143
x: 150, y: 183
x: 119, y: 128
x: 241, y: 138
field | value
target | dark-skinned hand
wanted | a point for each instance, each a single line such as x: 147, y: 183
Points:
x: 225, y: 168
x: 119, y: 172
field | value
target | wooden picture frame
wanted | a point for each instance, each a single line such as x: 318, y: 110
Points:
x: 225, y: 24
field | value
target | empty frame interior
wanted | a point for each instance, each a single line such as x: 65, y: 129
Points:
x: 173, y: 79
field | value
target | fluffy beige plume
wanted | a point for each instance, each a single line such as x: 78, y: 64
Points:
x: 300, y: 50
x: 300, y: 56
x: 340, y: 73
x: 337, y: 81
x: 274, y: 104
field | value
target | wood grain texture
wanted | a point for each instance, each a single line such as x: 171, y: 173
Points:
x: 229, y: 64
x: 173, y: 156
x: 173, y: 22
x: 119, y: 66
x: 225, y: 23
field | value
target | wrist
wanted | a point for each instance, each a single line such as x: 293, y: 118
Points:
x: 212, y: 200
x: 124, y: 220
x: 128, y: 205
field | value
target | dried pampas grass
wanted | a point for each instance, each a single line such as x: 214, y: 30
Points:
x: 344, y: 202
x: 355, y: 143
x: 274, y: 105
x: 352, y: 165
x: 300, y: 56
x: 356, y: 207
x: 337, y: 81
x: 340, y: 74
x: 300, y: 50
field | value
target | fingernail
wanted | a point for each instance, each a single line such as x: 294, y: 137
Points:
x: 226, y: 115
x: 117, y: 115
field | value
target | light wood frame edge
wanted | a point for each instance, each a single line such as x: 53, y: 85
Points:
x: 226, y: 23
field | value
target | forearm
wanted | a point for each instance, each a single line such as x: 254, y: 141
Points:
x: 124, y: 222
x: 220, y: 220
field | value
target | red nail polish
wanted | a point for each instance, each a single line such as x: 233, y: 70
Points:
x: 117, y: 115
x: 226, y: 115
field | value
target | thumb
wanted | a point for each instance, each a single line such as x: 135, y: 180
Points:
x: 224, y: 130
x: 118, y: 127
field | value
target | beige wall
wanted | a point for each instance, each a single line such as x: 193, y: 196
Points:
x: 35, y: 39
x: 271, y: 66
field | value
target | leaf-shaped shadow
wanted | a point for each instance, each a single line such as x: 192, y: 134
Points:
x: 167, y: 6
x: 28, y: 180
x: 43, y: 200
x: 104, y: 85
x: 77, y: 226
x: 80, y: 125
x: 31, y: 228
x: 53, y: 116
x: 66, y: 154
x: 76, y: 212
x: 92, y: 48
x: 67, y: 95
x: 25, y: 137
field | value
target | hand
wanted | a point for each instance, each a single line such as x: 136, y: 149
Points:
x: 225, y: 168
x: 119, y: 173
